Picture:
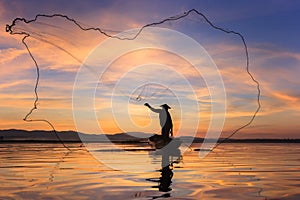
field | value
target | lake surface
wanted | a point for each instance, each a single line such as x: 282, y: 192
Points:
x: 232, y: 171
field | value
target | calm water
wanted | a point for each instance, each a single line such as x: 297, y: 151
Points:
x: 233, y: 171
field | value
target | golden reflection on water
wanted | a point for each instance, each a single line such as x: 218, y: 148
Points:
x: 233, y: 171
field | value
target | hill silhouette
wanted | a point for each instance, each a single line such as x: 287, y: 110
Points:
x: 15, y: 135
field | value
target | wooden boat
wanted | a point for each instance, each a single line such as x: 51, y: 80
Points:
x: 158, y: 142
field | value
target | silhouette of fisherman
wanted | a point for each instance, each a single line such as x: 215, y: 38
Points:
x: 165, y: 120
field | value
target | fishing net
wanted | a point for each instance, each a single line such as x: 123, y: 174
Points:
x: 114, y: 72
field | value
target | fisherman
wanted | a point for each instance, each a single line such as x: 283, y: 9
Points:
x: 165, y: 120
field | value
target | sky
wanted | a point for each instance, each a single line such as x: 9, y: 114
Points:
x: 67, y: 56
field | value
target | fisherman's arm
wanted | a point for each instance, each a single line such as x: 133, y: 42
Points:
x: 152, y: 109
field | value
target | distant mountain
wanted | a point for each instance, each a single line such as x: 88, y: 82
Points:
x: 15, y: 135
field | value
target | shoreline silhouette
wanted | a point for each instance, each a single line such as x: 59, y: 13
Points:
x: 43, y: 136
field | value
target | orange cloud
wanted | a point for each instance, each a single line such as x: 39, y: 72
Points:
x: 291, y: 100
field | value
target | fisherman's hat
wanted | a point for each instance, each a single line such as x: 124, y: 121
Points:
x: 165, y: 106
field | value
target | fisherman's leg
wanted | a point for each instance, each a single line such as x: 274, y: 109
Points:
x: 164, y: 133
